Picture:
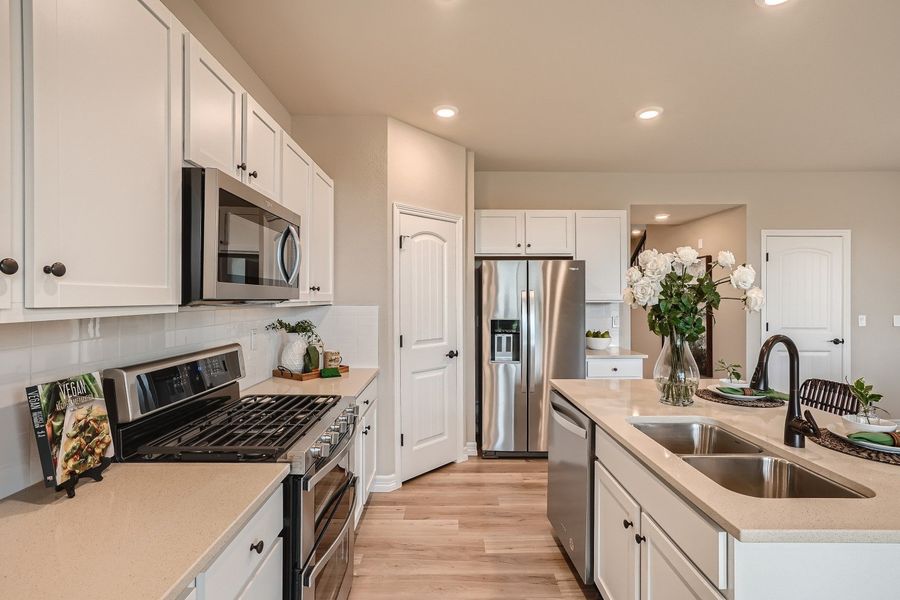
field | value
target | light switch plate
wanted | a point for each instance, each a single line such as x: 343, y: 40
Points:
x: 896, y: 320
x: 615, y: 322
x: 253, y: 339
x: 861, y: 320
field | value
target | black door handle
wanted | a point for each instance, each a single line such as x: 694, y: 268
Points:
x: 9, y: 266
x: 452, y: 354
x: 57, y: 269
x: 837, y: 341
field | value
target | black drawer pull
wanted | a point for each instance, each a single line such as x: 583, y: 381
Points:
x: 258, y: 546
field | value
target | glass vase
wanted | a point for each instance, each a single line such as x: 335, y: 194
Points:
x: 676, y: 373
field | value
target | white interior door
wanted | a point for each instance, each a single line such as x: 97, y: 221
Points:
x: 805, y: 279
x: 429, y: 321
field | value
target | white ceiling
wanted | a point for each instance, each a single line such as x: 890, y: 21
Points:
x: 553, y: 85
x: 643, y: 214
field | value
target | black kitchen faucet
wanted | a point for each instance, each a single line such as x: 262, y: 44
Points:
x: 796, y: 428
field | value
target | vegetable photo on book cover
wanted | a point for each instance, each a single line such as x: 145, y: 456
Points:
x: 71, y: 426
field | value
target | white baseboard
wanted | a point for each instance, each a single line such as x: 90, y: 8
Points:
x: 471, y: 449
x: 386, y: 483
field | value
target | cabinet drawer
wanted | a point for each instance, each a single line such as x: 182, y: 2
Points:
x: 625, y: 368
x: 267, y: 581
x: 699, y: 538
x: 366, y: 398
x: 233, y: 568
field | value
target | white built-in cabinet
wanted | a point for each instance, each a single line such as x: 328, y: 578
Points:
x: 296, y: 194
x: 616, y: 555
x: 262, y: 149
x: 321, y: 238
x: 524, y: 232
x: 499, y: 232
x: 549, y: 232
x: 666, y: 572
x: 601, y: 240
x: 10, y: 259
x: 104, y: 140
x: 365, y: 446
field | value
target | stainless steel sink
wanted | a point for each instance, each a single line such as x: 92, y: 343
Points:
x: 765, y: 476
x: 696, y: 438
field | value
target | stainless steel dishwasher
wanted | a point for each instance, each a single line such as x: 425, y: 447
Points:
x: 570, y: 483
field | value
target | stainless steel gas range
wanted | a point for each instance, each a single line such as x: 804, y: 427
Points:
x: 189, y: 408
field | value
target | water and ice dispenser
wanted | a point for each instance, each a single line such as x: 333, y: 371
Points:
x: 504, y: 340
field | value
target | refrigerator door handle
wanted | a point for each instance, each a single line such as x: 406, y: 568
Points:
x: 532, y: 341
x: 523, y: 342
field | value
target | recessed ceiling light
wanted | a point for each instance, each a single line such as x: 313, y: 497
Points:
x: 649, y: 112
x: 445, y: 111
x: 662, y: 216
x: 770, y: 2
x: 635, y: 232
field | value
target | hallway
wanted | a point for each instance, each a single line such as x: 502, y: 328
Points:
x: 470, y: 531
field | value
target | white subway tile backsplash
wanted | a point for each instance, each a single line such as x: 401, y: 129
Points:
x: 599, y: 316
x: 37, y: 352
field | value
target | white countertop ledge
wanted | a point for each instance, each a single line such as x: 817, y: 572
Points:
x: 351, y: 383
x: 614, y: 404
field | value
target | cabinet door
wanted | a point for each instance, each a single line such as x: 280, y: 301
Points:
x: 371, y: 451
x: 296, y: 192
x: 213, y: 103
x: 666, y: 573
x: 601, y: 241
x: 262, y: 149
x: 7, y: 249
x: 550, y: 232
x: 359, y: 469
x: 617, y: 554
x: 321, y: 238
x: 104, y: 99
x: 499, y: 232
x: 266, y: 582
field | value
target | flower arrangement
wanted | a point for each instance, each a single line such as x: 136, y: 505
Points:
x: 676, y: 290
x: 866, y: 398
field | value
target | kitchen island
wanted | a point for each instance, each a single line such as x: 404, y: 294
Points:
x: 747, y: 547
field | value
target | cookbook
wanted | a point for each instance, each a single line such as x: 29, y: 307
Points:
x: 71, y: 426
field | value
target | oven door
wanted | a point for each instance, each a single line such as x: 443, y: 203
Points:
x: 329, y: 570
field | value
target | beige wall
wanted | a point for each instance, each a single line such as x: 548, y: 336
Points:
x: 196, y: 21
x: 868, y: 203
x: 726, y: 230
x: 376, y: 161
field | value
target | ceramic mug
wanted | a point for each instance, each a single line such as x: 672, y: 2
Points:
x: 332, y: 358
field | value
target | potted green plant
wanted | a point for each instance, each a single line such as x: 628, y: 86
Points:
x: 733, y: 371
x: 867, y: 399
x: 300, y: 352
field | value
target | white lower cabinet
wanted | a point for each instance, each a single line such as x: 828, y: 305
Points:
x: 267, y: 582
x: 365, y: 449
x: 615, y: 368
x: 666, y: 573
x: 617, y: 519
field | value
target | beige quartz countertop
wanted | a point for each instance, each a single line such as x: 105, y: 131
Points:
x: 613, y: 403
x: 144, y: 532
x: 613, y: 352
x: 351, y: 383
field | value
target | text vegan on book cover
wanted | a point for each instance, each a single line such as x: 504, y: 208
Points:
x: 71, y: 426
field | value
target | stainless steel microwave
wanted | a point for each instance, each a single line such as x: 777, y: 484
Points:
x: 237, y: 244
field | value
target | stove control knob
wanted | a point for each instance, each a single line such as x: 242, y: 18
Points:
x: 328, y: 438
x: 352, y: 410
x: 320, y: 450
x: 336, y: 428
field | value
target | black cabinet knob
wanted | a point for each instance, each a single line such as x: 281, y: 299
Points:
x: 9, y: 266
x: 615, y: 369
x: 626, y: 524
x: 258, y: 547
x: 254, y: 174
x: 528, y: 245
x: 57, y: 269
x: 452, y: 354
x: 518, y: 245
x: 639, y: 538
x: 837, y: 341
x: 242, y: 166
x: 366, y: 402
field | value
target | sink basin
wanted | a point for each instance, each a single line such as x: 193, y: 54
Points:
x: 765, y: 476
x: 688, y: 437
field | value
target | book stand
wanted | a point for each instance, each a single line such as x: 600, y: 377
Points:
x: 95, y: 473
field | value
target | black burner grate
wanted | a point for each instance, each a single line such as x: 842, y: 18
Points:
x: 252, y: 428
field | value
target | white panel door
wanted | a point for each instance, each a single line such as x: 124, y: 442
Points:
x: 429, y: 313
x: 296, y: 193
x: 106, y: 138
x: 320, y: 234
x: 617, y: 556
x: 804, y: 285
x: 213, y: 105
x: 601, y: 242
x: 11, y: 266
x: 499, y: 232
x: 666, y: 573
x: 262, y: 149
x: 550, y: 232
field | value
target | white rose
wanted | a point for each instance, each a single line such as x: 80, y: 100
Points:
x: 645, y: 291
x: 633, y: 275
x: 658, y: 266
x: 645, y: 256
x: 743, y: 277
x: 686, y: 256
x: 754, y: 299
x: 726, y: 259
x: 696, y: 270
x: 628, y: 297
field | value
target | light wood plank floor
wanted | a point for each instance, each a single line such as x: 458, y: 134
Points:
x: 470, y: 531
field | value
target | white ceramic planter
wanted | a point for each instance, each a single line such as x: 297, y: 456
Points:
x: 293, y: 352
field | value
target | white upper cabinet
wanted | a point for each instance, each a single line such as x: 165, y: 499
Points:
x: 550, y: 232
x: 262, y: 149
x: 602, y: 242
x: 296, y: 193
x: 104, y: 140
x: 499, y: 232
x: 320, y: 234
x: 10, y: 261
x: 213, y: 105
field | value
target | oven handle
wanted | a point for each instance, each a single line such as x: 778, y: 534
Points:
x: 282, y: 243
x: 298, y: 258
x: 312, y: 571
x: 310, y: 481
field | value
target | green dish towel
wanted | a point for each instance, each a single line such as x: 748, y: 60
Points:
x: 875, y: 437
x: 329, y: 372
x: 756, y: 393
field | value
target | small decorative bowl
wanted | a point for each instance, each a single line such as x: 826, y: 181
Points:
x: 598, y: 343
x: 734, y: 384
x: 855, y: 424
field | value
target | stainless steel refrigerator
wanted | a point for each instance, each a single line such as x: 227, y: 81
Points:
x: 530, y: 315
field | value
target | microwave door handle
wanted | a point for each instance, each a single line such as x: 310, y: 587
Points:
x: 299, y: 254
x: 279, y: 259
